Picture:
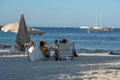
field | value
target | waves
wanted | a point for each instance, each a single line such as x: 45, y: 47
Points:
x: 93, y: 50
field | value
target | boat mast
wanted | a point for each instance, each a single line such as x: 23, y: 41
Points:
x: 100, y: 20
x: 96, y: 22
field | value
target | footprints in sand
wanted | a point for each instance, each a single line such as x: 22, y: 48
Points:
x: 106, y: 74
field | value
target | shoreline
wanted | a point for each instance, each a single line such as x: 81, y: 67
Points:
x: 5, y: 47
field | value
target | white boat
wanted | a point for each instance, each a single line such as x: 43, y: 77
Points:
x: 85, y: 27
x: 101, y: 27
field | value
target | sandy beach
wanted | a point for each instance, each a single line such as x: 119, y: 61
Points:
x: 96, y: 66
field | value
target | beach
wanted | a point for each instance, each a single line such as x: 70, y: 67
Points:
x: 94, y: 66
x: 31, y: 37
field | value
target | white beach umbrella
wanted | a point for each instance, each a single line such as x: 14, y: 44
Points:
x: 13, y: 27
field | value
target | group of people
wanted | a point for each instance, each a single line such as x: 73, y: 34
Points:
x: 22, y: 47
x: 44, y: 48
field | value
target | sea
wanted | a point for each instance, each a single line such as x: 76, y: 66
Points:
x: 85, y: 42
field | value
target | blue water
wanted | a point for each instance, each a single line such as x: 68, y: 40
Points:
x: 95, y: 41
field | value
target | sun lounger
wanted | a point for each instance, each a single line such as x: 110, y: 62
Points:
x: 65, y: 51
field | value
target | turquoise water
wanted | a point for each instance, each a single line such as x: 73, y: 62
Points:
x: 95, y: 41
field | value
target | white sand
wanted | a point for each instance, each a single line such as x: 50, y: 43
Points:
x: 85, y: 67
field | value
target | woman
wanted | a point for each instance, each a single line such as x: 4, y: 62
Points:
x: 44, y: 48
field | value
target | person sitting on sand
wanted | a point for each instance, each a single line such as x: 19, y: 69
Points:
x: 55, y: 45
x: 55, y: 48
x: 30, y: 46
x: 43, y: 48
x: 64, y: 41
x: 21, y: 48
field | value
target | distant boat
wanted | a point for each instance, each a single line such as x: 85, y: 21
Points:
x: 85, y: 27
x: 101, y: 27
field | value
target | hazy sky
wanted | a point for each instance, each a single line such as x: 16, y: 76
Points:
x: 61, y: 12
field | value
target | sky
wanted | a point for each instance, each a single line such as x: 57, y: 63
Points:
x: 62, y: 13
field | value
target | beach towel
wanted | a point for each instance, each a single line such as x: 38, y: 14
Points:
x: 36, y: 54
x: 30, y: 50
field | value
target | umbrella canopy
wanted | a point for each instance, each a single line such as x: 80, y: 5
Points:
x: 33, y: 31
x: 22, y: 34
x: 13, y: 27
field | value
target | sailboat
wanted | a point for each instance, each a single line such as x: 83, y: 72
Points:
x: 101, y: 27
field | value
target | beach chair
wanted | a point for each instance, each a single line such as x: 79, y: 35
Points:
x: 65, y: 51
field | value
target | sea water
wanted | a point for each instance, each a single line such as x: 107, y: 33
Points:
x: 94, y: 41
